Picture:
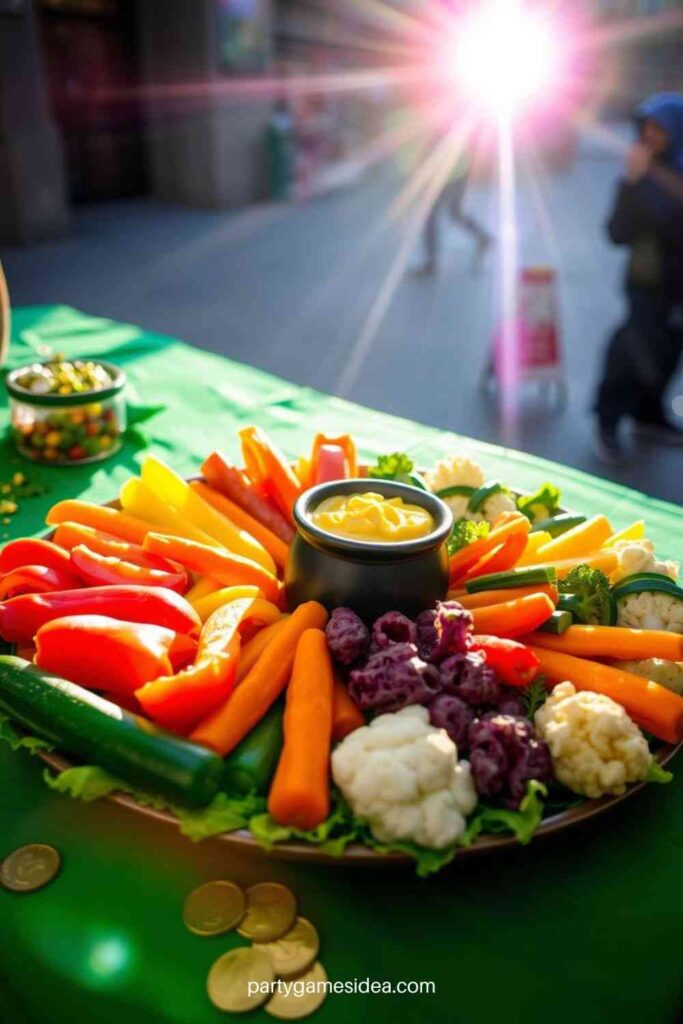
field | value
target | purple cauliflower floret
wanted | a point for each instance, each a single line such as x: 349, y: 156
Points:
x: 392, y: 679
x: 505, y: 754
x: 453, y: 715
x: 427, y: 637
x: 443, y: 631
x: 510, y: 703
x: 468, y: 677
x: 347, y: 636
x: 393, y: 628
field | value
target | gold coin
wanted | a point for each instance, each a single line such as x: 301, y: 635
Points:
x: 240, y: 980
x: 29, y: 868
x: 214, y: 908
x: 295, y: 951
x: 271, y: 911
x: 304, y: 996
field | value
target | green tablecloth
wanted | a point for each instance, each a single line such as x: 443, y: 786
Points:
x: 582, y: 925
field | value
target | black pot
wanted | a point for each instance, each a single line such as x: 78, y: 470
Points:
x: 369, y: 576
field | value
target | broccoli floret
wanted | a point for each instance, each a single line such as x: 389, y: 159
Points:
x: 464, y: 532
x: 541, y: 505
x: 586, y: 593
x: 397, y: 466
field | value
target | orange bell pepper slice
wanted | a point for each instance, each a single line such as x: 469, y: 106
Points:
x: 178, y: 702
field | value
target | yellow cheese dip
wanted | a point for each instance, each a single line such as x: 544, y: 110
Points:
x: 372, y: 517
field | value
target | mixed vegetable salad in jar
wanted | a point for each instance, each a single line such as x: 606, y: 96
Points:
x: 65, y: 412
x: 153, y: 643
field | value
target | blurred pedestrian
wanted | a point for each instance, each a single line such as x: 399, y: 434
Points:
x: 451, y: 200
x: 647, y: 216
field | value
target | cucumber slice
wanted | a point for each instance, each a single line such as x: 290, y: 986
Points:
x: 456, y: 491
x: 557, y: 623
x: 101, y: 733
x: 416, y: 480
x: 482, y: 495
x: 557, y: 525
x: 643, y: 583
x: 525, y: 577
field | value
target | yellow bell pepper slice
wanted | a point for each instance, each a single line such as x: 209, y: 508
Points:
x: 636, y: 531
x: 171, y: 487
x: 534, y: 542
x: 141, y: 501
x: 581, y: 540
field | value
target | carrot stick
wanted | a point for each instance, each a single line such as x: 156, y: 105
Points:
x: 300, y: 792
x: 500, y: 559
x: 650, y: 705
x: 230, y: 482
x: 581, y: 540
x: 510, y: 618
x: 254, y: 648
x: 221, y: 565
x: 462, y: 561
x: 99, y: 517
x: 346, y: 715
x: 613, y: 642
x: 268, y: 468
x: 488, y: 597
x: 266, y: 680
x: 272, y: 543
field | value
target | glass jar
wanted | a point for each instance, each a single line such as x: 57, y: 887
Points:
x: 68, y: 429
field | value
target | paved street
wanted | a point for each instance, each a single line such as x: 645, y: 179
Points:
x: 293, y: 288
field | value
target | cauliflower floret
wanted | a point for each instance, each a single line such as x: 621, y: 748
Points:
x: 651, y: 609
x: 403, y: 777
x: 639, y: 556
x: 666, y: 673
x: 595, y: 747
x: 491, y: 509
x: 452, y: 471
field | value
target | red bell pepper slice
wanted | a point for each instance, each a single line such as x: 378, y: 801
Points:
x: 231, y: 482
x: 72, y: 535
x: 36, y: 579
x: 268, y: 469
x: 515, y: 663
x: 107, y: 654
x: 179, y: 702
x: 33, y: 551
x: 333, y: 458
x: 106, y: 570
x: 22, y: 617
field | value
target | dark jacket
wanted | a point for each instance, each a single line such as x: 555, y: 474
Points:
x: 648, y: 215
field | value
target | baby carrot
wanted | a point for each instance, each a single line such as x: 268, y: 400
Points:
x: 346, y: 715
x: 300, y: 793
x: 274, y: 546
x: 220, y: 564
x: 613, y: 642
x: 254, y: 648
x: 650, y: 705
x: 226, y: 727
x: 511, y: 617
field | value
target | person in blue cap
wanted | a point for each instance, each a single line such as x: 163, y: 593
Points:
x: 647, y: 216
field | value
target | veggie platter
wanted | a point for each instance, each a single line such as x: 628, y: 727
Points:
x: 350, y: 663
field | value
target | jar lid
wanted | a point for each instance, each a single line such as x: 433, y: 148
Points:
x: 118, y: 381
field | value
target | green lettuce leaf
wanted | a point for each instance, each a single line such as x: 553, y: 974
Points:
x: 223, y: 814
x: 656, y: 773
x: 332, y: 836
x: 17, y: 741
x: 534, y: 696
x: 427, y: 861
x: 499, y: 820
x: 543, y: 504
